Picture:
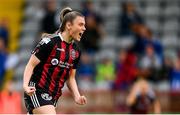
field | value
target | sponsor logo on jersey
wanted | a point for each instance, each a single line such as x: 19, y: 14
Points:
x: 65, y: 64
x: 45, y: 40
x: 54, y: 61
x: 46, y: 96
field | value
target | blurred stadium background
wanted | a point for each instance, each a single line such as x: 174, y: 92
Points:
x: 125, y: 40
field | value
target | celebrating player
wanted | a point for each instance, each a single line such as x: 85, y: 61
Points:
x: 52, y: 63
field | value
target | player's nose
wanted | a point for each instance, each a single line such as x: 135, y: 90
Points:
x: 84, y: 28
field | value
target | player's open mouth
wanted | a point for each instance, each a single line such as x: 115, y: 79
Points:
x: 80, y: 34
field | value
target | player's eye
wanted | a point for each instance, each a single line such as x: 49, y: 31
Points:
x: 81, y: 24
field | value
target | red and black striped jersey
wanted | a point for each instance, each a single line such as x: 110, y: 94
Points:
x: 57, y: 58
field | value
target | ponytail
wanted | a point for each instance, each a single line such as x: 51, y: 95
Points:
x: 67, y: 15
x: 64, y: 12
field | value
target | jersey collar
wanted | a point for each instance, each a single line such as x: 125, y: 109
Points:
x: 63, y: 39
x: 60, y: 36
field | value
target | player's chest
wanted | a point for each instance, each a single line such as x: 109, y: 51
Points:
x: 63, y: 57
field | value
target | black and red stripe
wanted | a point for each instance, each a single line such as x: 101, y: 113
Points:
x: 65, y: 74
x: 54, y: 75
x: 60, y: 71
x: 60, y: 82
x: 46, y: 69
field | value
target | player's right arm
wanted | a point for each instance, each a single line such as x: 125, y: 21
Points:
x: 39, y: 54
x: 33, y: 61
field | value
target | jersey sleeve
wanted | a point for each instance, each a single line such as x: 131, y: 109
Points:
x: 42, y: 49
x: 76, y: 62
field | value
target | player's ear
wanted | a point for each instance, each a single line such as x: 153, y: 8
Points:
x: 68, y: 25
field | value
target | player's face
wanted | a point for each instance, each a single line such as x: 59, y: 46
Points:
x: 77, y: 28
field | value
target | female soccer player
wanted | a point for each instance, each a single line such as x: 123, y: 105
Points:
x: 54, y: 61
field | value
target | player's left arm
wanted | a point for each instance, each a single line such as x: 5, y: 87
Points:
x: 72, y: 85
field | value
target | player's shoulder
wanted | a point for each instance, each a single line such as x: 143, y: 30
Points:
x: 49, y: 38
x: 46, y: 35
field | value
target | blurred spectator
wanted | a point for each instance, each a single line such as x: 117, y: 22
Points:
x: 10, y: 100
x: 121, y: 58
x: 4, y: 33
x: 105, y: 73
x: 49, y: 20
x: 3, y: 58
x: 94, y: 31
x: 127, y: 73
x: 150, y: 59
x: 86, y: 71
x: 142, y: 97
x: 144, y: 36
x: 150, y: 63
x: 88, y: 9
x: 128, y: 17
x: 175, y: 76
x: 166, y: 68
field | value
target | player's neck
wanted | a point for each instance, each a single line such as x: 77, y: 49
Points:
x: 66, y: 37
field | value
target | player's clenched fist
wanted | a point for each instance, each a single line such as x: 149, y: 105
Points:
x: 81, y: 100
x: 29, y: 90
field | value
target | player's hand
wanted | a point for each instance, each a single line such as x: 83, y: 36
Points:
x: 81, y: 100
x: 29, y: 90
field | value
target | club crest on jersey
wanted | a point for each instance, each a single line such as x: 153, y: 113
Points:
x: 46, y: 96
x: 54, y: 61
x: 73, y: 54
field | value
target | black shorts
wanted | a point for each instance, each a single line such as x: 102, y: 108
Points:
x: 38, y: 99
